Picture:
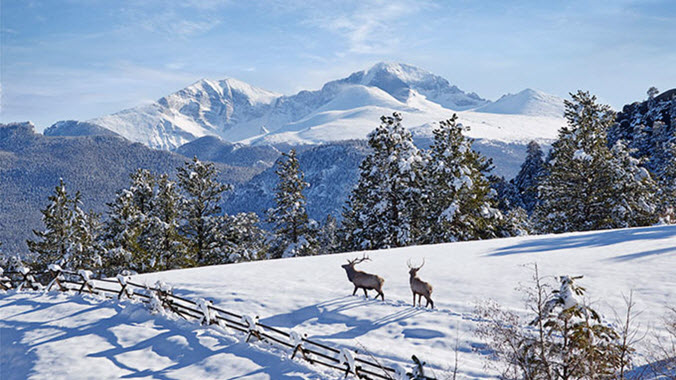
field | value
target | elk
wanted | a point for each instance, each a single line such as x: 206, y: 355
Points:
x: 419, y: 287
x: 363, y: 280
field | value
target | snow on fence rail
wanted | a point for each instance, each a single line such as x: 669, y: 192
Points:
x: 203, y: 311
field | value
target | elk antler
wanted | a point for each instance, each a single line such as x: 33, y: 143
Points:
x: 359, y: 260
x: 413, y: 267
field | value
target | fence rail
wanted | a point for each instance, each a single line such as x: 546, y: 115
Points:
x: 203, y: 311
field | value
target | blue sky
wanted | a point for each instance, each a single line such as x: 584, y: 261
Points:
x: 78, y: 59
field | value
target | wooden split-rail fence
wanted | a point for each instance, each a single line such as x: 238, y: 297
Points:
x: 315, y: 353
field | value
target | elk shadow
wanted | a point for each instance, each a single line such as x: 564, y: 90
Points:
x: 333, y: 311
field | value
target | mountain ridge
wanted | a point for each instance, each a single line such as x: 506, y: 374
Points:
x: 239, y: 112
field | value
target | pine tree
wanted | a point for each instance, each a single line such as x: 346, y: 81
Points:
x: 86, y: 229
x: 460, y: 202
x: 202, y: 227
x: 385, y: 208
x: 247, y: 239
x: 526, y: 181
x: 293, y: 235
x: 166, y: 248
x: 328, y: 236
x: 634, y: 199
x: 53, y: 244
x: 128, y: 218
x: 582, y: 185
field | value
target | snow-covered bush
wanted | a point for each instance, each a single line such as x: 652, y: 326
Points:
x: 564, y: 339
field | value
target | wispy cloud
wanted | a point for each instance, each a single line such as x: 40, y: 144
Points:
x: 173, y: 20
x: 368, y: 27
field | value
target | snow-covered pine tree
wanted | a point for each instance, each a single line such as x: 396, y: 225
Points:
x: 203, y: 222
x: 166, y: 248
x: 53, y: 244
x: 328, y: 236
x: 460, y: 204
x: 634, y: 199
x: 128, y: 218
x: 526, y: 181
x: 581, y: 184
x: 578, y: 182
x: 248, y: 240
x: 86, y: 230
x: 293, y: 234
x: 385, y: 208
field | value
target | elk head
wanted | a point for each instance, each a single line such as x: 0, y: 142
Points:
x: 349, y: 267
x: 352, y: 263
x: 413, y: 270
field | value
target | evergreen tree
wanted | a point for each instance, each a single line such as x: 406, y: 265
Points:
x: 247, y: 239
x: 460, y: 203
x: 385, y: 207
x: 293, y: 235
x: 526, y: 181
x: 166, y: 248
x: 54, y: 243
x: 128, y: 219
x: 633, y: 200
x: 201, y: 212
x: 328, y: 236
x: 86, y: 230
x: 585, y: 180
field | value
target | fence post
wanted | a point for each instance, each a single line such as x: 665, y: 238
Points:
x: 57, y: 272
x: 28, y: 279
x: 5, y: 282
x: 86, y: 280
x: 297, y: 342
x: 253, y: 329
x: 123, y: 286
x: 207, y: 314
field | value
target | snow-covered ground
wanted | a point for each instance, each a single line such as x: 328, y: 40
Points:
x: 44, y: 335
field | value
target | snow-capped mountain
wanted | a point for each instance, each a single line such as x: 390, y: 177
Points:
x: 399, y: 80
x: 204, y: 108
x: 343, y: 109
x: 527, y: 102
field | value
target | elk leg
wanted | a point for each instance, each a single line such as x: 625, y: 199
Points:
x: 419, y: 299
x: 355, y: 290
x: 413, y: 299
x: 429, y: 300
x: 382, y: 295
x: 366, y: 295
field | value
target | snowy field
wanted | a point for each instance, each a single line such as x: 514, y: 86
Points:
x: 60, y: 336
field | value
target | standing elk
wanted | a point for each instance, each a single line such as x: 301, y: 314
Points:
x: 420, y: 287
x: 363, y: 280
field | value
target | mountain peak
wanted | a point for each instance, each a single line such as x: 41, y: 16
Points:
x: 398, y: 79
x: 226, y: 87
x: 408, y: 74
x: 527, y: 102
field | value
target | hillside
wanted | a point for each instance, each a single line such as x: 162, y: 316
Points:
x: 31, y: 165
x: 118, y: 340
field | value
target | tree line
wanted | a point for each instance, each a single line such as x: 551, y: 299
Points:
x: 404, y: 196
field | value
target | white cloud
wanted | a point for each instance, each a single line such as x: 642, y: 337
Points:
x: 368, y: 27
